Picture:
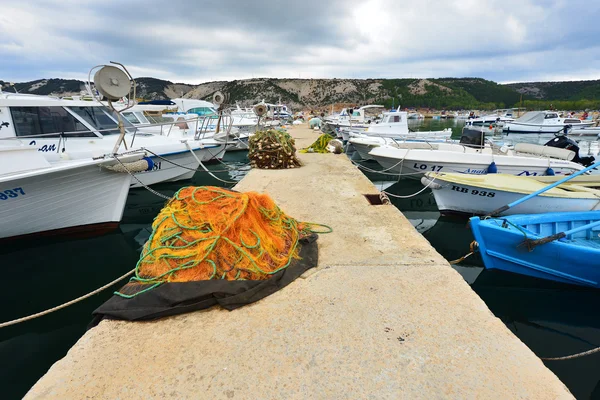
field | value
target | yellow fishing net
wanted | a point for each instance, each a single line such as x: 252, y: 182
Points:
x: 320, y: 145
x: 206, y: 233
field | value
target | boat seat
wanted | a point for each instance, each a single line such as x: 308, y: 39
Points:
x: 546, y: 151
x: 580, y: 188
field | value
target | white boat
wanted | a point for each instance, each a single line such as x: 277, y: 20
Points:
x: 586, y: 131
x: 394, y: 124
x: 363, y: 144
x: 392, y: 130
x: 483, y: 194
x: 69, y: 195
x: 415, y: 159
x: 543, y: 122
x: 489, y: 120
x: 191, y: 118
x: 85, y: 129
x: 415, y: 115
x: 354, y: 118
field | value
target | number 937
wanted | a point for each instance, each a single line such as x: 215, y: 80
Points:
x: 11, y: 193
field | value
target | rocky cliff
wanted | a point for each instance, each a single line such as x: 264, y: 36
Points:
x: 455, y: 93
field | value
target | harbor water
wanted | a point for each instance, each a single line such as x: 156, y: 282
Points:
x: 552, y: 319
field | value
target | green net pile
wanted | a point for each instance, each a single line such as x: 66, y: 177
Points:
x: 272, y: 149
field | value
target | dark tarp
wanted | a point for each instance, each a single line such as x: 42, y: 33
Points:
x: 180, y: 297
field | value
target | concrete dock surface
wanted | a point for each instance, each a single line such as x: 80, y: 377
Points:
x: 383, y: 316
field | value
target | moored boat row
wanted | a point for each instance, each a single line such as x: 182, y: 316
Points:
x: 66, y: 165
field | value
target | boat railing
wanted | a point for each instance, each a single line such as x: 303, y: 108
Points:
x: 201, y: 127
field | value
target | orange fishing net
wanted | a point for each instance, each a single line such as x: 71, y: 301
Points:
x: 208, y: 233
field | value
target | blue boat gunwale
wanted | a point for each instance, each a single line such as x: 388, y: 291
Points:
x: 494, y: 259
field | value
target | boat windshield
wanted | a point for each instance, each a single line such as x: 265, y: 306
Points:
x: 47, y: 121
x: 102, y: 119
x: 131, y: 117
x: 203, y: 111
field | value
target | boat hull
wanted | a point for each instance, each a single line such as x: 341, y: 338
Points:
x: 501, y: 247
x: 415, y: 163
x: 516, y: 127
x: 416, y: 169
x: 85, y: 197
x: 464, y: 199
x: 363, y: 149
x: 176, y: 166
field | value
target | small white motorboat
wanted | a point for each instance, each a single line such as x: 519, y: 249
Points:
x: 392, y: 129
x: 586, y: 131
x: 543, y: 122
x: 393, y: 124
x: 198, y: 124
x: 354, y: 118
x: 483, y: 194
x: 363, y: 144
x: 37, y: 196
x: 473, y: 156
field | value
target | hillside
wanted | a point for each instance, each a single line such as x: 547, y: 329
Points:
x: 449, y: 93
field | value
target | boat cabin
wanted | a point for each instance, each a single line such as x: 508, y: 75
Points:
x: 50, y: 123
x: 394, y: 123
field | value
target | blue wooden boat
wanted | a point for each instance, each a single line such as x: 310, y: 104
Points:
x: 562, y: 247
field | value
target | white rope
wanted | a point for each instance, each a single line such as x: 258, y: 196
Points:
x: 412, y: 195
x: 384, y: 173
x: 387, y: 169
x: 202, y: 165
x: 60, y: 307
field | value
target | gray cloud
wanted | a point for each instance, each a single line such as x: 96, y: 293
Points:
x: 194, y: 41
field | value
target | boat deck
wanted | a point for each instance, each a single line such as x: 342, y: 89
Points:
x: 383, y: 316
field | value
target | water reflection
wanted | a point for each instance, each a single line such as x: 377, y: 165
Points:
x: 553, y: 320
x: 44, y: 273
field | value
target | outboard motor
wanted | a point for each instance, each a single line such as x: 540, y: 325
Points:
x: 472, y: 137
x: 563, y: 142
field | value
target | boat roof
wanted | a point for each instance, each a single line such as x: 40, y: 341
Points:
x: 371, y: 106
x: 191, y: 103
x: 394, y: 112
x: 532, y: 117
x: 34, y: 100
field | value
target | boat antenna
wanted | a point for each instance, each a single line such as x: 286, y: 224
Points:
x: 113, y: 83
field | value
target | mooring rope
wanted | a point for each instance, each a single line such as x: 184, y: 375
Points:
x: 183, y: 166
x: 204, y: 167
x: 64, y: 305
x: 383, y: 170
x: 359, y: 165
x: 410, y: 195
x: 473, y: 247
x: 141, y: 183
x: 572, y: 356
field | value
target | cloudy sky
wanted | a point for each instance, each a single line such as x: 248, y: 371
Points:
x: 205, y: 40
